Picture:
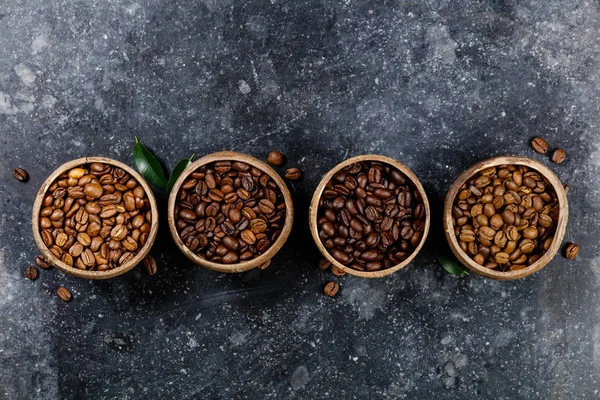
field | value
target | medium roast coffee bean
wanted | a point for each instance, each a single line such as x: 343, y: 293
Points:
x: 230, y: 213
x: 293, y: 174
x: 539, y: 145
x: 558, y: 156
x: 505, y: 217
x: 150, y: 265
x: 276, y: 158
x: 571, y: 251
x: 64, y: 293
x: 331, y: 289
x: 95, y: 207
x: 42, y: 263
x: 20, y: 174
x: 370, y: 217
x: 31, y: 273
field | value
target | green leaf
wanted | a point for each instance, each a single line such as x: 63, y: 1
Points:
x: 179, y: 168
x: 450, y: 265
x: 149, y: 166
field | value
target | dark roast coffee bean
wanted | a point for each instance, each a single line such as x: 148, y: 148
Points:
x: 360, y: 215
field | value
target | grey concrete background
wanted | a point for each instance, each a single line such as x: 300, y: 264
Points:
x: 437, y: 84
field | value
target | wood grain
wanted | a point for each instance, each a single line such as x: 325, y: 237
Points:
x: 563, y: 216
x: 246, y: 265
x: 314, y: 209
x: 76, y: 271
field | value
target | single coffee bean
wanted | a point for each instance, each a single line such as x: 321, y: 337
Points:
x: 31, y: 273
x: 42, y: 263
x: 276, y: 158
x: 571, y: 251
x: 64, y: 293
x: 558, y: 156
x: 539, y: 145
x: 293, y: 174
x: 20, y: 174
x: 324, y: 264
x: 150, y: 265
x: 337, y: 271
x: 331, y: 289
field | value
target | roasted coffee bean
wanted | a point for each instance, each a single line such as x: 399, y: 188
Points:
x: 64, y: 293
x: 231, y: 213
x: 150, y: 265
x: 502, y: 213
x: 20, y: 174
x: 539, y: 145
x: 276, y: 158
x: 42, y: 263
x: 324, y: 264
x: 31, y: 273
x: 293, y: 174
x: 91, y: 210
x: 331, y: 289
x: 368, y: 211
x: 571, y: 251
x: 337, y: 271
x: 558, y: 156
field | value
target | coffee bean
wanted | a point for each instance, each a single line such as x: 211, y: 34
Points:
x: 293, y: 174
x: 337, y: 271
x: 31, y: 273
x: 539, y: 145
x: 558, y: 156
x: 149, y: 265
x: 505, y: 218
x: 20, y: 174
x: 232, y: 213
x: 42, y: 263
x: 324, y: 264
x: 571, y: 251
x: 64, y: 293
x: 331, y: 289
x: 276, y: 158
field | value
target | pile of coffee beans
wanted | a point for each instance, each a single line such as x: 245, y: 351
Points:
x: 505, y: 217
x: 371, y: 216
x: 229, y: 212
x: 95, y: 217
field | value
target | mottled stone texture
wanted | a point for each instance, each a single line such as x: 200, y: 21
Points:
x: 437, y: 84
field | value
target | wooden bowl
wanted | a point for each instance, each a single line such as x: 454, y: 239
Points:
x: 563, y: 216
x: 76, y: 271
x: 314, y: 209
x: 249, y: 264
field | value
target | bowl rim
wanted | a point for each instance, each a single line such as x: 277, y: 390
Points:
x: 314, y: 209
x: 37, y: 207
x: 563, y: 216
x: 245, y: 265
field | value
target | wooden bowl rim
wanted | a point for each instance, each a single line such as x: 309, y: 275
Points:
x: 563, y: 216
x: 314, y: 209
x: 246, y: 265
x: 37, y: 205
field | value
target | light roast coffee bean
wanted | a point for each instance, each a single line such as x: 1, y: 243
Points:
x: 95, y: 217
x: 371, y: 217
x: 229, y: 212
x: 505, y: 217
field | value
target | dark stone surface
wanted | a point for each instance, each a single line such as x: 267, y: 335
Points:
x: 438, y: 85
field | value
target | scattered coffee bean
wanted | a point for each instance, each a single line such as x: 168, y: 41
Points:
x: 505, y: 217
x: 20, y: 174
x: 371, y: 217
x: 229, y: 212
x: 559, y: 156
x: 337, y: 271
x: 331, y: 289
x: 324, y: 264
x: 42, y: 263
x: 293, y: 174
x: 150, y: 265
x: 276, y: 158
x: 539, y: 145
x: 64, y: 293
x: 571, y: 251
x: 31, y: 273
x: 95, y: 217
x: 265, y: 265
